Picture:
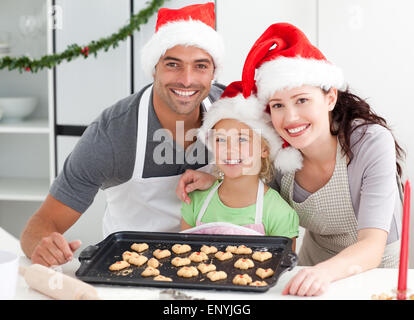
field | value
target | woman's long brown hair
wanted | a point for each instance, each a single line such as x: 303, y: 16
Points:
x: 348, y: 108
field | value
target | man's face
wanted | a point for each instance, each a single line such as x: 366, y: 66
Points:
x: 182, y: 78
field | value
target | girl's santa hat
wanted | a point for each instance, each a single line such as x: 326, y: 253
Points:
x: 249, y: 110
x: 189, y: 26
x: 285, y: 58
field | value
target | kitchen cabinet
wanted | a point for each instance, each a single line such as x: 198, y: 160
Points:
x: 26, y: 146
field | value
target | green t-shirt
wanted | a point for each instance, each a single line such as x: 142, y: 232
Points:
x: 279, y: 218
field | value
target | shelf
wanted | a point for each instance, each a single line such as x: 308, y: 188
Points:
x: 21, y: 189
x: 40, y: 126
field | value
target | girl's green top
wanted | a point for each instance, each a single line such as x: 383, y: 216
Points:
x: 279, y: 218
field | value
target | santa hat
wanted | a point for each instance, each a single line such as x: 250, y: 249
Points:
x: 190, y: 26
x: 285, y: 58
x: 249, y: 110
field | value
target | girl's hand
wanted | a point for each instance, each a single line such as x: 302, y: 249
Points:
x: 312, y: 281
x: 193, y: 180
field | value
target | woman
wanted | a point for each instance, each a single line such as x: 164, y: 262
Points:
x: 347, y: 193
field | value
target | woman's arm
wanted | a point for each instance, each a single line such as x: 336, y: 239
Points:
x: 364, y: 255
x: 193, y: 180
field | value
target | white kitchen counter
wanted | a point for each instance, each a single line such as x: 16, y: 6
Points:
x: 361, y: 286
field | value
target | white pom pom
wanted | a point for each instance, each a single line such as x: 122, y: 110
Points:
x: 288, y: 160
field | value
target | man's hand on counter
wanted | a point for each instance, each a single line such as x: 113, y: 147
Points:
x: 54, y: 250
x: 42, y: 239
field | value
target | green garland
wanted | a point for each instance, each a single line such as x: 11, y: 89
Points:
x: 73, y: 51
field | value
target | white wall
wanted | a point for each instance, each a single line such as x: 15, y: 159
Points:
x: 241, y: 23
x: 371, y: 40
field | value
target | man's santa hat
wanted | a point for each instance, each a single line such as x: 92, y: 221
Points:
x: 285, y: 58
x: 189, y: 26
x: 249, y: 110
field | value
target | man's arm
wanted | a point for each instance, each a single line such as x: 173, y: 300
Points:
x: 42, y: 240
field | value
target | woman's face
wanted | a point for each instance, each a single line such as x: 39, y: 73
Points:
x: 238, y: 149
x: 301, y: 115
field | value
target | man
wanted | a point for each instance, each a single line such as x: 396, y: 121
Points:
x: 137, y: 149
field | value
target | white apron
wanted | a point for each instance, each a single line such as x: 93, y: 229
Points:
x: 144, y: 204
x: 257, y: 228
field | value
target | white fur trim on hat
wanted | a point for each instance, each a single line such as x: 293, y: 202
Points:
x: 288, y: 159
x: 251, y: 112
x: 182, y: 32
x: 287, y: 73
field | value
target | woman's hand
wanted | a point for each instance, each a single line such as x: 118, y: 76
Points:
x: 193, y: 180
x: 312, y: 281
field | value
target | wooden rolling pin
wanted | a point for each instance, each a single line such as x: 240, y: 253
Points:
x: 56, y: 284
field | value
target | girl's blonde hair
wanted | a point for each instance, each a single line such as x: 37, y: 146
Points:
x: 267, y: 171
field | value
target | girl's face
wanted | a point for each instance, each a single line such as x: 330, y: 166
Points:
x: 238, y: 149
x: 301, y: 115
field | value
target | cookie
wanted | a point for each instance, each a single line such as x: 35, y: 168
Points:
x: 261, y: 255
x: 258, y: 284
x: 231, y: 249
x: 242, y: 279
x: 139, y: 247
x: 223, y: 255
x: 204, y: 268
x: 162, y: 278
x: 150, y: 271
x: 180, y: 248
x: 216, y: 275
x: 128, y: 255
x: 264, y: 273
x: 208, y: 250
x: 244, y: 264
x: 198, y: 256
x: 119, y: 265
x: 179, y: 262
x: 153, y: 263
x: 187, y: 272
x: 243, y: 250
x: 160, y: 254
x: 138, y: 261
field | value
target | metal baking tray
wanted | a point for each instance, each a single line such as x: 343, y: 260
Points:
x: 95, y: 260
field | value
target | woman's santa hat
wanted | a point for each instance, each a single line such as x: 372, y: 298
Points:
x: 285, y: 58
x: 249, y: 110
x: 189, y: 26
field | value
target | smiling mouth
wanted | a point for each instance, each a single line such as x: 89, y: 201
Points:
x: 184, y: 93
x: 298, y: 130
x: 232, y: 162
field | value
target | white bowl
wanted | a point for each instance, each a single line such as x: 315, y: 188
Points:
x: 13, y: 109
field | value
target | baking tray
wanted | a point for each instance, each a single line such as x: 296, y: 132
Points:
x: 95, y: 260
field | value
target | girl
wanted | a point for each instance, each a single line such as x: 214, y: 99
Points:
x: 347, y: 193
x: 244, y: 146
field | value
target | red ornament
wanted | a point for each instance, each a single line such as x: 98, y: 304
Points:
x: 85, y: 51
x: 28, y: 69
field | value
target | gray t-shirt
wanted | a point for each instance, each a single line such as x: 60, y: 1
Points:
x: 104, y: 156
x: 372, y: 181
